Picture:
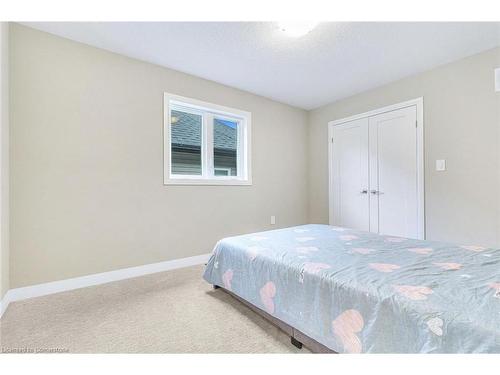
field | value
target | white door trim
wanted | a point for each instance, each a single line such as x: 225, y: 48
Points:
x: 419, y: 103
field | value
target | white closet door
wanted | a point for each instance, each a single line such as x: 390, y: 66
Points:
x: 393, y: 173
x: 350, y: 175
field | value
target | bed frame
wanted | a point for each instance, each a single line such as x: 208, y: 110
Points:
x: 297, y: 338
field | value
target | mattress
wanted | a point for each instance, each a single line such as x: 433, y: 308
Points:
x: 359, y: 292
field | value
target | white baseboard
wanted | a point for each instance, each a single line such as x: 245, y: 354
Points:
x: 39, y: 290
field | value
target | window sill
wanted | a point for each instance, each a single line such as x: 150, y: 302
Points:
x: 207, y: 182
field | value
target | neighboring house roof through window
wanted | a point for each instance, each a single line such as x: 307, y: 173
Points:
x: 186, y: 132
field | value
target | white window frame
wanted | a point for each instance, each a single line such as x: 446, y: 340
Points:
x: 209, y: 111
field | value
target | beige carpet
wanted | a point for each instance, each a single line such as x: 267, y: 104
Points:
x: 168, y: 312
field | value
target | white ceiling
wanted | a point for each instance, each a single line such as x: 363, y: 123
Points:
x: 333, y: 61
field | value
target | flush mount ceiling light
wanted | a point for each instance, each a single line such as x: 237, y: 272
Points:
x: 297, y: 29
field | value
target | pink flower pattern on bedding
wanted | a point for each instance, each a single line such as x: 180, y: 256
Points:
x: 267, y: 293
x: 315, y: 267
x: 415, y: 293
x: 362, y: 250
x: 348, y: 237
x: 421, y: 250
x: 449, y: 266
x: 312, y: 268
x: 346, y: 326
x: 226, y: 278
x: 384, y: 267
x: 335, y: 278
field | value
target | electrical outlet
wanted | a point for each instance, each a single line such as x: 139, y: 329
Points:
x: 440, y: 165
x: 273, y: 220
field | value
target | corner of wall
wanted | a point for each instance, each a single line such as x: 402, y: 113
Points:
x: 308, y: 164
x: 4, y: 162
x: 497, y: 65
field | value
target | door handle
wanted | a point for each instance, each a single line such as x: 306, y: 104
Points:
x: 364, y: 191
x: 376, y: 192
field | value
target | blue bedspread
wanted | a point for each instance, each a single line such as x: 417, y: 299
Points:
x: 360, y: 292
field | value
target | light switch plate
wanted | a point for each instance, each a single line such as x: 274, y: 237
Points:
x: 440, y: 165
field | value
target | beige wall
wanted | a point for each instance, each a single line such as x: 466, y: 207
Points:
x: 4, y: 158
x: 462, y: 125
x: 86, y: 177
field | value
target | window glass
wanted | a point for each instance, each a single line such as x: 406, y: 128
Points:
x: 222, y: 172
x: 185, y: 142
x: 225, y: 147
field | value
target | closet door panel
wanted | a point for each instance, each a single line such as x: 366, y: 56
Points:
x: 350, y: 175
x: 393, y: 172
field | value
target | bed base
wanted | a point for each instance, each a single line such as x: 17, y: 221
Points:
x: 297, y: 338
x: 296, y: 342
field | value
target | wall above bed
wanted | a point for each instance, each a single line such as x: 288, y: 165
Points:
x: 87, y: 164
x: 461, y: 125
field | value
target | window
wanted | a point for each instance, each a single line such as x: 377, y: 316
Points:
x: 205, y: 144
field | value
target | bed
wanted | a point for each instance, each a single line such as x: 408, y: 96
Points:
x: 359, y: 292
